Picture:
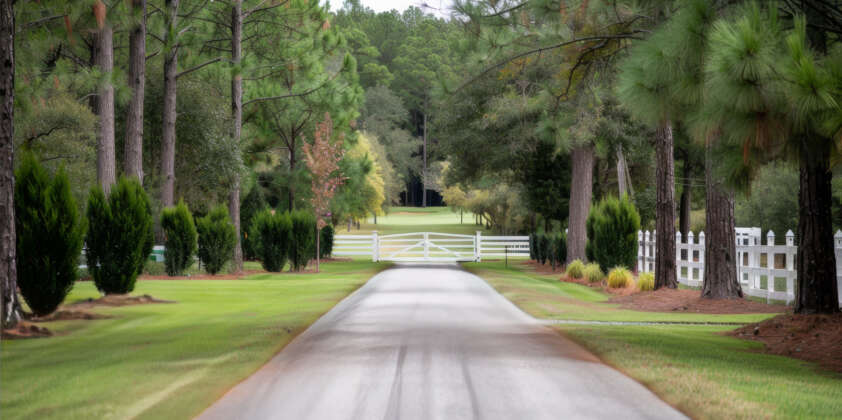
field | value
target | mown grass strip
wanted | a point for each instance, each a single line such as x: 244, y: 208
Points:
x: 167, y: 360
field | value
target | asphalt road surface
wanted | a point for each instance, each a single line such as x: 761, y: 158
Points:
x: 434, y: 342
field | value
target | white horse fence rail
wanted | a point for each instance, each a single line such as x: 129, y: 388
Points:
x: 765, y: 271
x: 430, y: 246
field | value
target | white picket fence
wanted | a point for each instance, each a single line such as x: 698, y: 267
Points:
x: 765, y: 271
x: 430, y: 246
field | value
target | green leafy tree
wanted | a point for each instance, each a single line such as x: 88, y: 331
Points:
x: 49, y: 236
x: 216, y: 239
x: 180, y: 244
x: 775, y: 92
x: 119, y: 238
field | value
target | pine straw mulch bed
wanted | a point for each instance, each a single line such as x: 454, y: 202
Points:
x: 685, y: 300
x: 813, y: 338
x: 28, y: 328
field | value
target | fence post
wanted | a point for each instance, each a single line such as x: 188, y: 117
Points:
x: 640, y: 254
x: 837, y: 239
x: 702, y: 257
x: 426, y: 245
x: 478, y: 247
x: 678, y: 260
x: 375, y: 247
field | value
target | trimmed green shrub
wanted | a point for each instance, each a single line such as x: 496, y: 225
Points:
x: 216, y: 239
x: 646, y: 282
x: 532, y: 245
x: 559, y: 248
x: 50, y: 234
x: 326, y: 242
x: 612, y: 227
x: 119, y: 238
x: 543, y: 248
x: 620, y: 277
x: 253, y: 204
x: 303, y: 247
x: 180, y: 238
x: 272, y: 236
x: 593, y: 273
x: 575, y: 269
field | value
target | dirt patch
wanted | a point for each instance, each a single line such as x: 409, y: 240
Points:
x: 68, y: 315
x: 25, y: 329
x: 683, y: 300
x: 814, y: 338
x: 117, y: 300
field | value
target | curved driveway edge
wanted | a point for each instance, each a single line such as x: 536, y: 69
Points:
x: 422, y: 342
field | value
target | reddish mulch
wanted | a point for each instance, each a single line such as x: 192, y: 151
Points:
x: 814, y: 338
x: 67, y: 315
x: 25, y: 329
x: 117, y: 300
x: 684, y: 300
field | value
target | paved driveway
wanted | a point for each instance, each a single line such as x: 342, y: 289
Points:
x: 434, y: 342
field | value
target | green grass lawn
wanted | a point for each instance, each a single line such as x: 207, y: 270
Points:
x: 695, y: 368
x: 166, y: 360
x: 417, y: 219
x: 544, y: 297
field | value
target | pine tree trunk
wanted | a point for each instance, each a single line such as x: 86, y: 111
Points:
x: 581, y: 189
x: 292, y: 164
x: 9, y: 313
x: 621, y: 173
x: 104, y: 61
x: 424, y: 170
x: 237, y: 113
x: 816, y: 288
x: 133, y: 151
x: 665, y: 275
x: 684, y: 206
x: 169, y: 117
x: 720, y: 276
x: 318, y: 249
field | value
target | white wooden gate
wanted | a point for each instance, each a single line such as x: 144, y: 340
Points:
x: 430, y: 246
x: 426, y: 246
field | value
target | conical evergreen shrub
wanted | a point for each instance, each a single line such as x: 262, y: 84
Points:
x: 180, y: 244
x: 326, y: 242
x: 49, y: 235
x: 272, y: 236
x: 216, y: 239
x: 612, y: 227
x: 303, y: 239
x: 119, y: 238
x: 253, y: 204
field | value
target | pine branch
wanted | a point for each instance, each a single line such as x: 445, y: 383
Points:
x: 197, y: 67
x: 628, y: 35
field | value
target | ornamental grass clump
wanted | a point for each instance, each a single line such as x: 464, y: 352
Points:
x: 619, y: 278
x: 576, y: 269
x: 646, y: 282
x: 593, y: 273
